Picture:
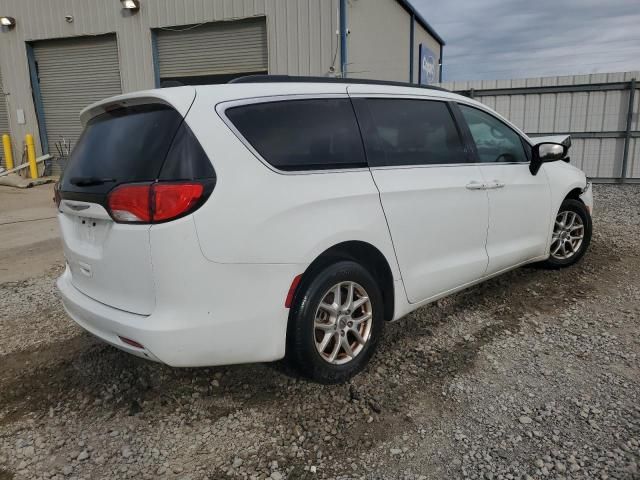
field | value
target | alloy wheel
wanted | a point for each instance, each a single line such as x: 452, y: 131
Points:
x: 568, y: 235
x: 342, y: 323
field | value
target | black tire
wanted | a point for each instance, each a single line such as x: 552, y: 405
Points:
x: 576, y: 206
x: 302, y: 353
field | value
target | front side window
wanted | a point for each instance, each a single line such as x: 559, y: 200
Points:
x: 409, y: 132
x: 495, y: 141
x: 294, y: 135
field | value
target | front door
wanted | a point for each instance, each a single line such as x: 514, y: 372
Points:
x: 519, y: 202
x: 430, y: 190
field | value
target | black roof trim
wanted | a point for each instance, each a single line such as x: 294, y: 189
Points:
x: 296, y: 79
x: 412, y: 10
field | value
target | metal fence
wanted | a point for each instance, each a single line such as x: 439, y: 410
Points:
x: 599, y: 111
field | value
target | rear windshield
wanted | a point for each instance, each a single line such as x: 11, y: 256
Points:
x: 316, y: 134
x: 123, y: 145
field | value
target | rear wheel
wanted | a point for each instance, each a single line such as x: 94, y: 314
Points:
x: 571, y: 234
x: 335, y: 323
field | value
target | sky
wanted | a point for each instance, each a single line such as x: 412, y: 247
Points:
x: 493, y: 39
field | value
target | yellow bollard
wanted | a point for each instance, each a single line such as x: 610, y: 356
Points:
x: 31, y: 156
x: 8, y: 155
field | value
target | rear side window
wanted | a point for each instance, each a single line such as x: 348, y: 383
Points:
x: 409, y: 132
x: 186, y: 159
x: 134, y: 144
x: 294, y: 135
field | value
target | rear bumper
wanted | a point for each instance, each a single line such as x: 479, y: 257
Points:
x: 106, y: 323
x: 212, y: 329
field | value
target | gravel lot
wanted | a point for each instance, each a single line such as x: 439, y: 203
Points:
x: 535, y: 374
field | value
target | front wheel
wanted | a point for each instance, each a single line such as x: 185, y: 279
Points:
x: 571, y: 235
x: 335, y: 323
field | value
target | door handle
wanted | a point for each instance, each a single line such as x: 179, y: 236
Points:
x: 475, y: 186
x: 495, y: 184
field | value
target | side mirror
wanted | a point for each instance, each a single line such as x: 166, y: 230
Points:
x: 546, y: 152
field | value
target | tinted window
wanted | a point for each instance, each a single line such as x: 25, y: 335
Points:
x: 126, y: 145
x: 302, y: 134
x: 494, y: 140
x: 409, y: 132
x: 186, y: 159
x: 131, y: 145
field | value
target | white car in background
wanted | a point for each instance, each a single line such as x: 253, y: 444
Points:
x: 287, y: 217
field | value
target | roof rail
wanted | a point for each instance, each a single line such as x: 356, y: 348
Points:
x: 300, y: 79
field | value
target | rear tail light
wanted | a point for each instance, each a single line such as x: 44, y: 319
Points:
x: 172, y: 200
x: 131, y: 204
x: 155, y: 202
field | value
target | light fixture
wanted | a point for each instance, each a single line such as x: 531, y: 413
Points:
x: 132, y: 5
x: 7, y: 22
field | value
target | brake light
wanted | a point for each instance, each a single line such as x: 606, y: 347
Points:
x: 131, y: 204
x: 172, y: 200
x: 156, y: 202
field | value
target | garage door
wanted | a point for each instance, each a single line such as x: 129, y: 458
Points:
x: 73, y: 73
x: 211, y: 53
x: 4, y: 119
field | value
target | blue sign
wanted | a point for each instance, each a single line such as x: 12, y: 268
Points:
x: 428, y: 65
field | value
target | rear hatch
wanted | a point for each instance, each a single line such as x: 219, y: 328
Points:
x: 107, y: 193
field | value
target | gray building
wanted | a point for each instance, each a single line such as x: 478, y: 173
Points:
x: 62, y: 55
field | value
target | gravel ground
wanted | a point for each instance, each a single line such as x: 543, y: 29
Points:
x: 535, y: 374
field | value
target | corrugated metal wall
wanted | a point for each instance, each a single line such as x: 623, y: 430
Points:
x: 384, y: 56
x: 593, y: 108
x: 73, y: 73
x: 4, y: 120
x: 214, y: 49
x: 301, y: 37
x: 379, y: 41
x: 422, y: 36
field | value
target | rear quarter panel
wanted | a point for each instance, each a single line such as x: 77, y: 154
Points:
x: 258, y: 215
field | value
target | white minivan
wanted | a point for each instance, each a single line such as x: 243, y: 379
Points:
x: 293, y: 217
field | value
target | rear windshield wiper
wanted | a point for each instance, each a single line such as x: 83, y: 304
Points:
x: 90, y: 181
